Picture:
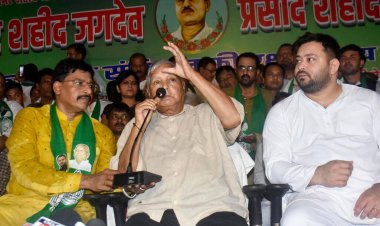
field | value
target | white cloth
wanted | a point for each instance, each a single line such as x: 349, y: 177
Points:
x: 259, y: 171
x: 189, y: 150
x: 26, y: 92
x: 242, y: 161
x: 102, y: 84
x: 15, y: 107
x: 206, y: 31
x: 91, y: 107
x: 300, y: 135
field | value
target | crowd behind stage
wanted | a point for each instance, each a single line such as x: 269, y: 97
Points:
x: 324, y: 100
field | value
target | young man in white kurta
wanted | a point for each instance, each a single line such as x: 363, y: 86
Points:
x: 304, y: 134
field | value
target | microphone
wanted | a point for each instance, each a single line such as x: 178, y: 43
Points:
x: 140, y: 177
x: 67, y: 216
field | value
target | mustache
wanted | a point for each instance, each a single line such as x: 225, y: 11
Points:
x: 245, y: 76
x: 120, y: 124
x: 84, y: 96
x: 187, y: 9
x: 302, y: 73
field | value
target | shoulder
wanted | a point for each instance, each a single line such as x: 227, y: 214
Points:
x: 29, y: 112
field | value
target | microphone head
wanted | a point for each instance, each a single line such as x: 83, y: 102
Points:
x: 67, y: 216
x: 96, y: 222
x: 160, y: 92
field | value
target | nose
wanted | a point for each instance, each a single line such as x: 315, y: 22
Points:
x: 186, y: 3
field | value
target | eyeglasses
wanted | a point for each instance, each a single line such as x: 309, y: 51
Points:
x: 249, y: 68
x: 80, y: 84
x: 117, y: 117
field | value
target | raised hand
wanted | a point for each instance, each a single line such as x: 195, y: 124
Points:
x: 182, y: 67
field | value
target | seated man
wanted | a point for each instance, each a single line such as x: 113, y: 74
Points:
x: 187, y: 146
x: 40, y: 184
x: 324, y: 142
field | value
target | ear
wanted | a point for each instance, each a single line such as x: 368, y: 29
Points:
x: 334, y: 66
x: 57, y: 88
x: 361, y: 64
x: 208, y: 5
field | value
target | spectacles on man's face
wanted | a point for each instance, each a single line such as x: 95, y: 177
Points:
x: 119, y: 117
x: 249, y: 68
x: 80, y: 84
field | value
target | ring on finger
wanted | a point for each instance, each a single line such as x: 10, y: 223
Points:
x: 142, y: 189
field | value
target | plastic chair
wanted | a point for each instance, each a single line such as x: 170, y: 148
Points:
x: 117, y: 200
x: 272, y: 192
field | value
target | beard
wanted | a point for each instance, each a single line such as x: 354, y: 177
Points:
x: 246, y: 81
x: 312, y: 85
x: 349, y: 70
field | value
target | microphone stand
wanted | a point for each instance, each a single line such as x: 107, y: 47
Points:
x: 139, y: 177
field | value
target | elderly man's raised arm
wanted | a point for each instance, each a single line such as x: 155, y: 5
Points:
x: 221, y: 104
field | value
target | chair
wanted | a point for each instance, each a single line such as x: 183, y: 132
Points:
x: 272, y: 192
x: 117, y: 200
x: 254, y: 193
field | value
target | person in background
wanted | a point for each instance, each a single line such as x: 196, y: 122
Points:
x: 127, y: 85
x: 39, y: 137
x: 8, y: 112
x: 34, y: 96
x: 352, y: 60
x: 207, y: 68
x: 77, y: 51
x: 273, y: 74
x: 250, y: 95
x: 324, y: 141
x: 117, y: 116
x: 13, y: 91
x: 226, y: 77
x: 27, y: 78
x: 286, y: 59
x: 44, y: 84
x: 138, y: 64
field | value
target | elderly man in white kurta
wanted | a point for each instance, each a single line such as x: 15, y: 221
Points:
x: 187, y: 146
x: 324, y: 141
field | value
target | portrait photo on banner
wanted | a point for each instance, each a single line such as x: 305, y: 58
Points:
x: 192, y: 25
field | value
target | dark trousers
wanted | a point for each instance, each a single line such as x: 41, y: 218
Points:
x: 169, y: 219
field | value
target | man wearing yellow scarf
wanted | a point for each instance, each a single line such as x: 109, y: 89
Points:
x: 41, y: 137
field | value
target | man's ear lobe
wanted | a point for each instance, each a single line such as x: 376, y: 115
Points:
x: 57, y: 87
x: 334, y: 66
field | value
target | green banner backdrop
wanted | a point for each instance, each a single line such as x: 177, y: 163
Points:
x: 38, y: 32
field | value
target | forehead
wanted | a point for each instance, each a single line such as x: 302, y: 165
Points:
x: 247, y: 61
x: 14, y: 91
x: 273, y: 68
x: 285, y: 49
x: 350, y: 53
x: 79, y: 74
x: 157, y: 73
x: 129, y: 78
x: 138, y: 60
x: 311, y: 48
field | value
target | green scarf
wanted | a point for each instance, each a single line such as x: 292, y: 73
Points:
x: 258, y: 111
x: 291, y: 86
x: 96, y: 112
x: 84, y: 140
x: 6, y: 117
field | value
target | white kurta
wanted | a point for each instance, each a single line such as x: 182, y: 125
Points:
x: 300, y: 135
x: 190, y: 151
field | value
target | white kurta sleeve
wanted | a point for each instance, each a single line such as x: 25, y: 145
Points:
x: 279, y: 166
